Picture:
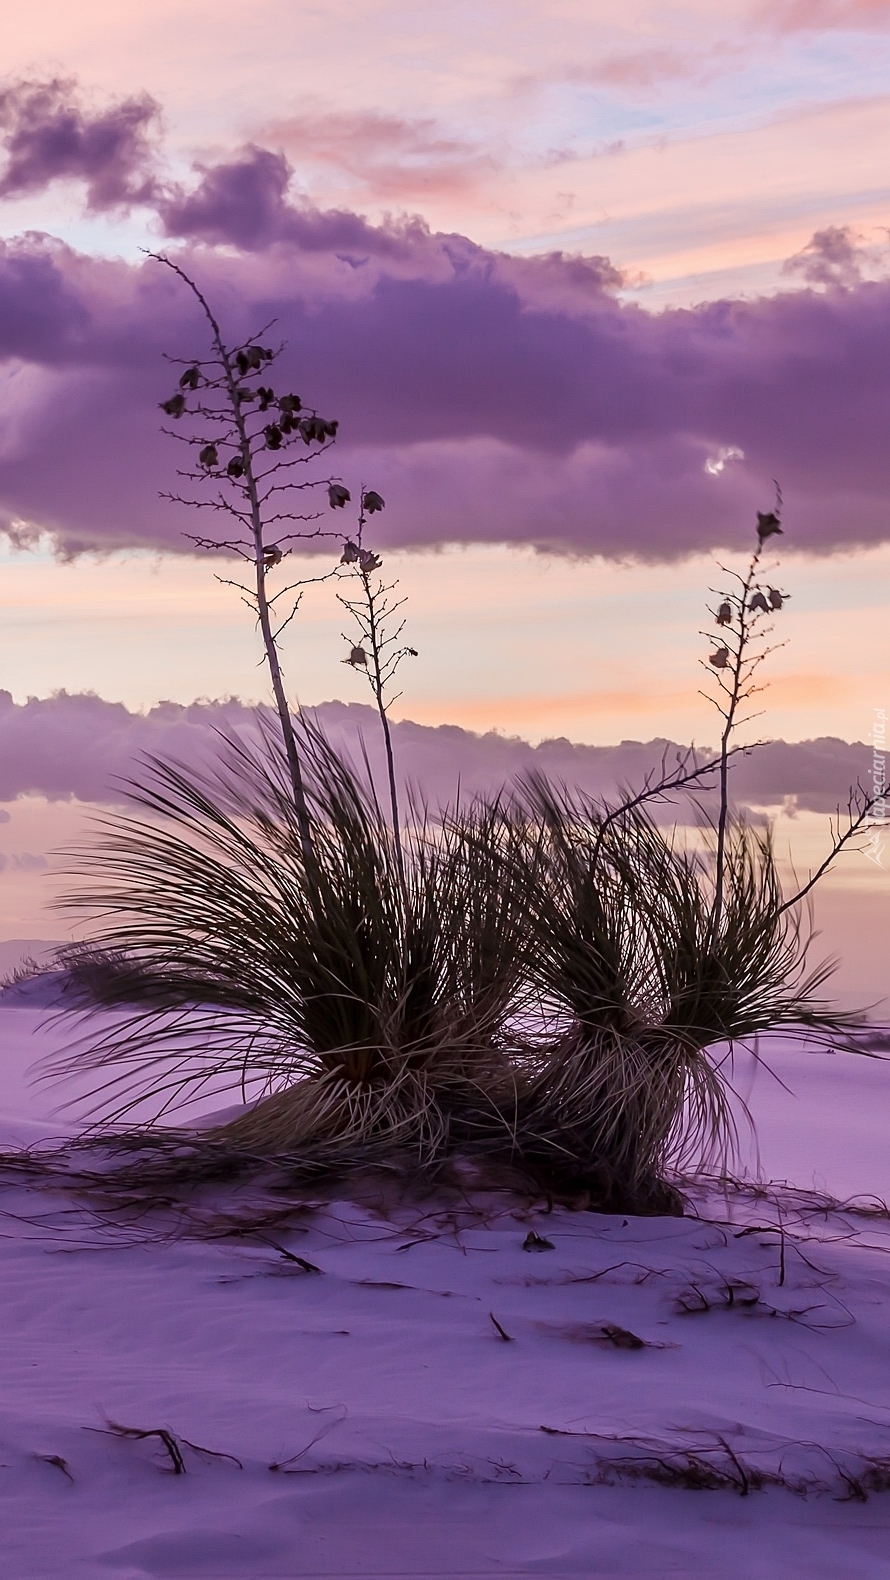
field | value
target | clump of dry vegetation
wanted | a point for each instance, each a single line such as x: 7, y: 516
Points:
x: 533, y: 981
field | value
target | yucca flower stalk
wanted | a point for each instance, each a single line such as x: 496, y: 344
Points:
x: 375, y: 643
x: 732, y: 667
x: 247, y: 444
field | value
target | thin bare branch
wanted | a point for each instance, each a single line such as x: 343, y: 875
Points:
x: 855, y: 826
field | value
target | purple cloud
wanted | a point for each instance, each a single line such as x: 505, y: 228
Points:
x: 490, y: 397
x: 831, y: 257
x: 80, y: 746
x: 244, y: 203
x: 48, y: 136
x: 83, y: 747
x: 43, y: 319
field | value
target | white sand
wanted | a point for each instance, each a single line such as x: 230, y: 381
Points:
x: 408, y: 1432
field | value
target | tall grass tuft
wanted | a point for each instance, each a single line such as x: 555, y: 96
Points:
x: 635, y: 991
x: 363, y: 1002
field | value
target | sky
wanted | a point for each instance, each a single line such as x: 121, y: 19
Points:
x: 579, y: 283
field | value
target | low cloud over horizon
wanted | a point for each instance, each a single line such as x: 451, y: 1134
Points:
x: 78, y: 746
x: 489, y: 397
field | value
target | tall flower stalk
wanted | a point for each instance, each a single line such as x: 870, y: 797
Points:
x: 375, y: 645
x: 744, y: 614
x: 741, y: 648
x: 243, y: 434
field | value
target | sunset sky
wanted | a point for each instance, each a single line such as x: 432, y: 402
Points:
x: 579, y: 281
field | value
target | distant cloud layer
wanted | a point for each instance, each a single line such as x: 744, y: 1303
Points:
x: 83, y: 747
x: 488, y: 396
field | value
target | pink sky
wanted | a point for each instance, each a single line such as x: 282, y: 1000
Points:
x: 578, y: 281
x: 696, y: 142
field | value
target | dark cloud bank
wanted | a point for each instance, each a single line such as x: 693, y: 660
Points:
x: 81, y: 746
x: 489, y: 397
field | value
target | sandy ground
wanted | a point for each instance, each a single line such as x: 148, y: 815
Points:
x: 409, y: 1391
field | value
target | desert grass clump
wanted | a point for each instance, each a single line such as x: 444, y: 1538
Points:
x: 347, y: 1003
x: 534, y: 981
x: 635, y: 990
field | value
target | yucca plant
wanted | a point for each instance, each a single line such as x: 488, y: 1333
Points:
x: 635, y: 992
x: 363, y: 1003
x: 533, y: 979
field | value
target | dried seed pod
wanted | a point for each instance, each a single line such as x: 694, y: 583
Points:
x: 768, y: 524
